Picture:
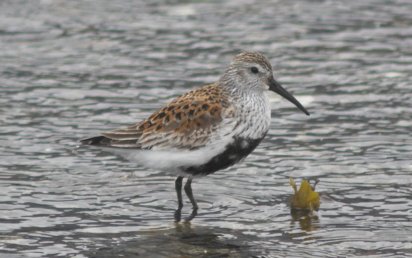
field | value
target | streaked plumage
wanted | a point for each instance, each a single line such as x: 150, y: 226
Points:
x: 206, y: 129
x: 186, y: 123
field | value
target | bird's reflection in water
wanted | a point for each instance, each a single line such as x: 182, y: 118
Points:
x: 183, y: 240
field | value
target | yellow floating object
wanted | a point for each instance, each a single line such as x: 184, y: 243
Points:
x: 305, y: 198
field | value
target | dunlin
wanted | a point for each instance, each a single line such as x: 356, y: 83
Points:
x: 206, y: 129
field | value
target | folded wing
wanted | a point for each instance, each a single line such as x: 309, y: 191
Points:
x: 188, y: 122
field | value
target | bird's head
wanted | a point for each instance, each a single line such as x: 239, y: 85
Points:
x: 253, y: 71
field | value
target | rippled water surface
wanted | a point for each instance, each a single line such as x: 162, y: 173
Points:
x: 70, y: 69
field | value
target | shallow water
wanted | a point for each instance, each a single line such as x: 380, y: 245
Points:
x: 71, y: 69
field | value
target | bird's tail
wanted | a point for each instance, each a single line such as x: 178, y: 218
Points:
x: 97, y: 141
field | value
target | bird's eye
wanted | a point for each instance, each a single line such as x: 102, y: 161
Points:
x: 254, y: 70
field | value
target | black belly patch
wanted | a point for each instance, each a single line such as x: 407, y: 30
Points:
x: 234, y: 152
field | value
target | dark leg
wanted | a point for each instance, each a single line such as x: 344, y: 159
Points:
x: 178, y: 186
x: 189, y: 193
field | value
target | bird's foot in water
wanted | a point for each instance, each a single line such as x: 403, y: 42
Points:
x: 192, y: 215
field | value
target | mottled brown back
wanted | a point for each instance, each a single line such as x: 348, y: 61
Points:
x: 186, y: 122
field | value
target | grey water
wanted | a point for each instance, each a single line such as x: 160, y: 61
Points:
x: 71, y: 69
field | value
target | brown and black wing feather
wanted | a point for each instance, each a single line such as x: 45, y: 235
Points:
x: 185, y: 123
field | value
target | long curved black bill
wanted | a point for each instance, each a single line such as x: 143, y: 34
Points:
x: 276, y: 87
